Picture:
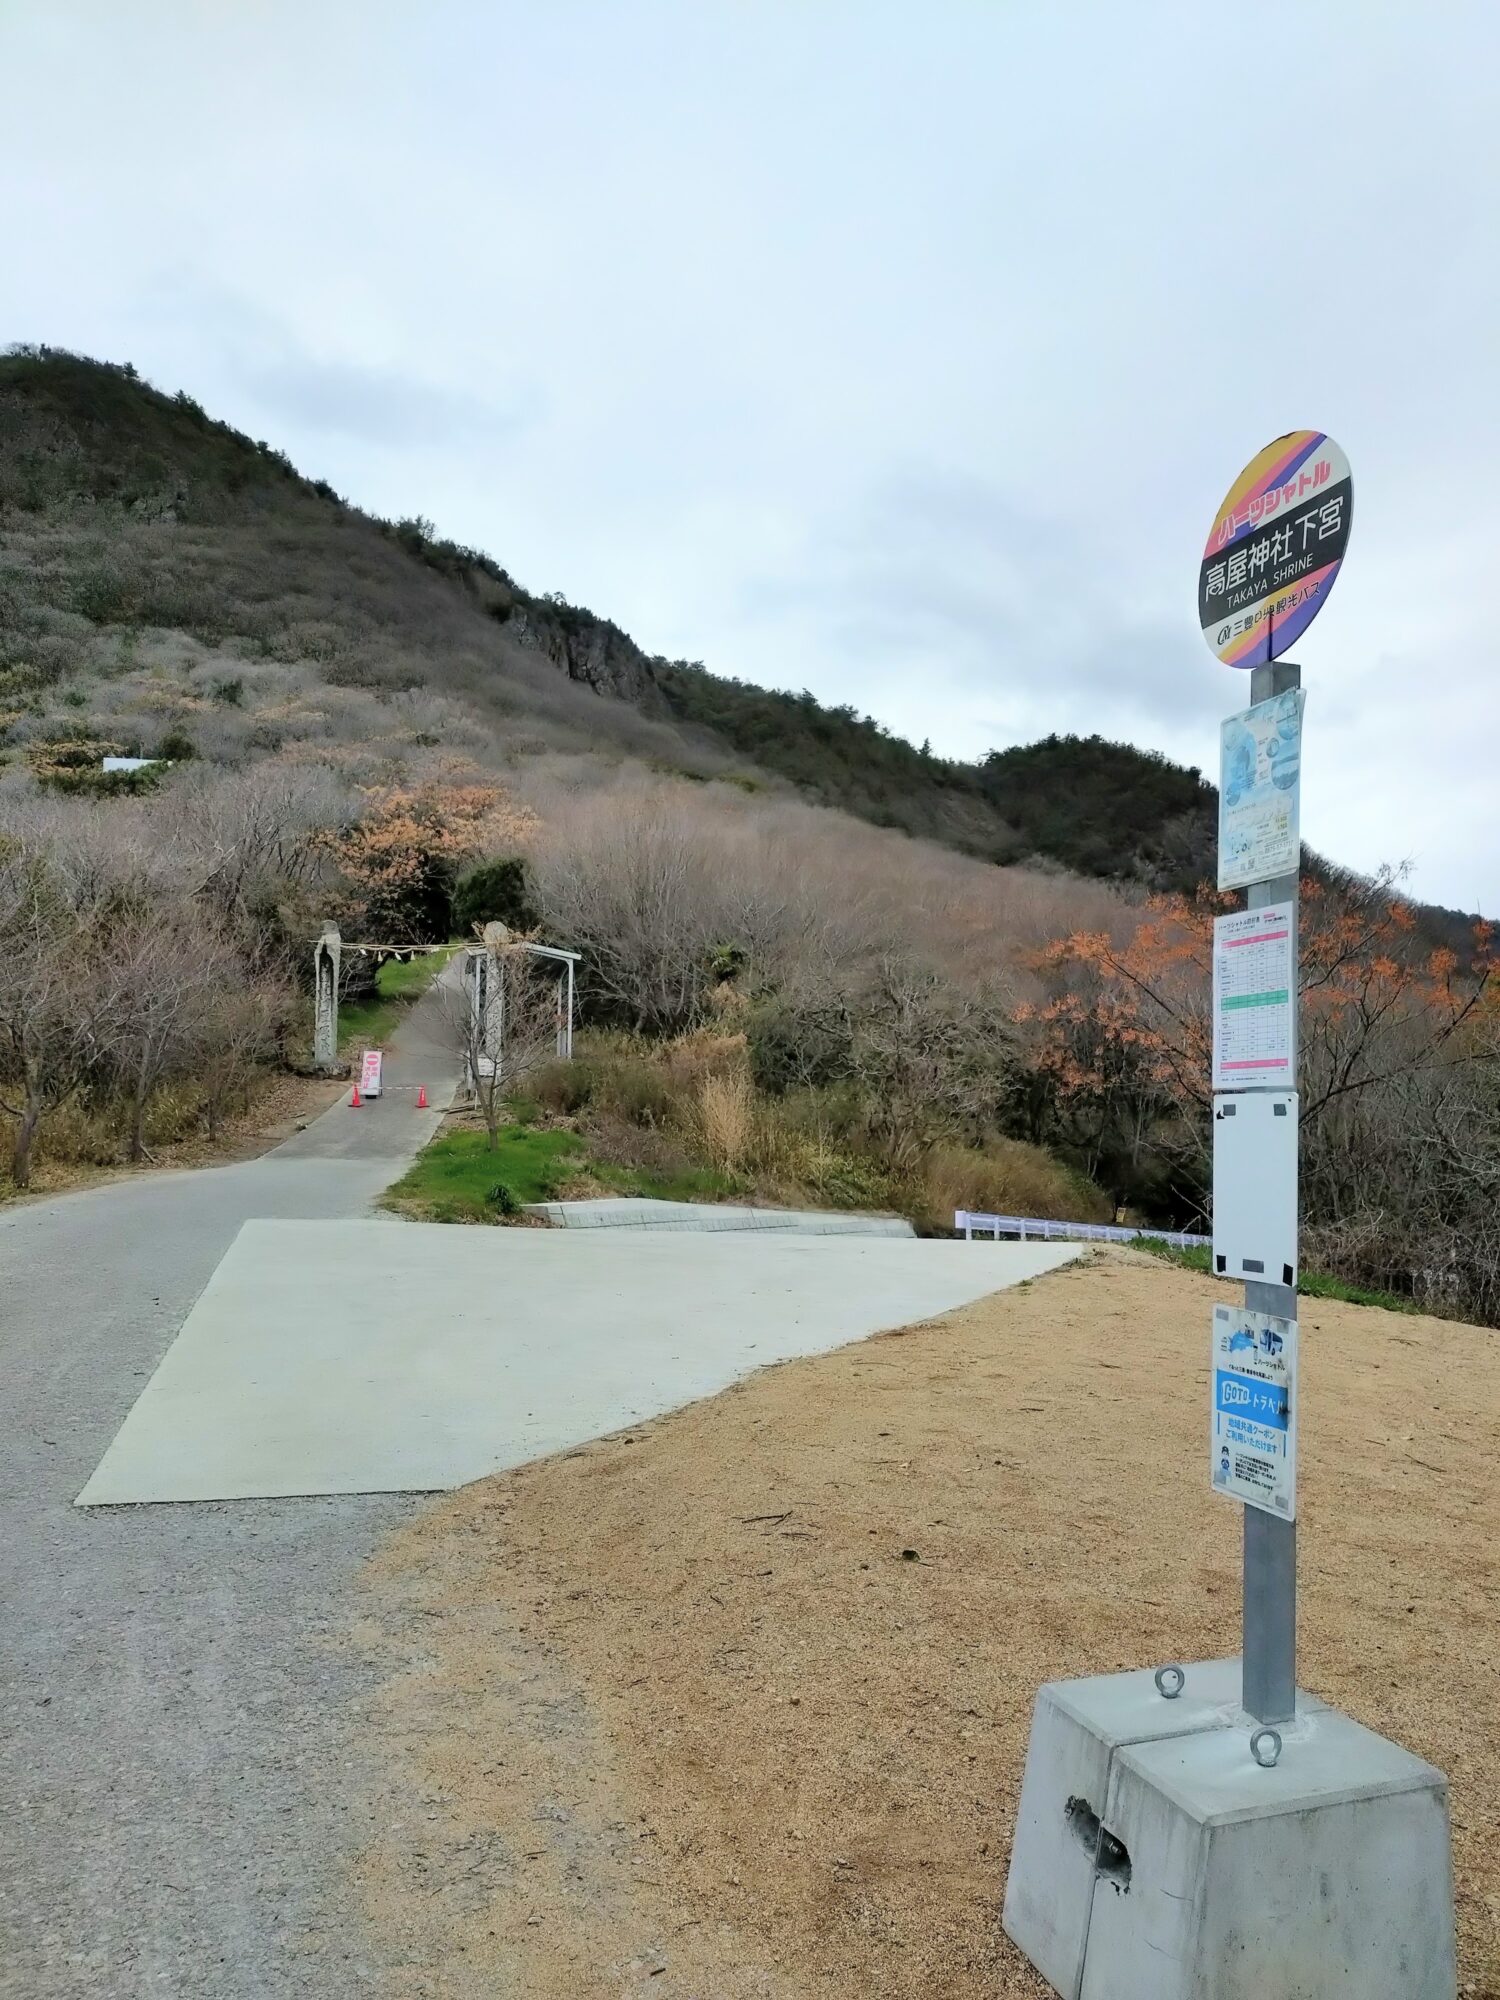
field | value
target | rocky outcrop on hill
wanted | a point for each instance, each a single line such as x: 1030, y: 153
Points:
x: 587, y: 649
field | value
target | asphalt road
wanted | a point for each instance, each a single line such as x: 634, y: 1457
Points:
x: 179, y: 1779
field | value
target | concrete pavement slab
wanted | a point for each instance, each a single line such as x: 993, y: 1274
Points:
x: 639, y: 1212
x: 363, y: 1357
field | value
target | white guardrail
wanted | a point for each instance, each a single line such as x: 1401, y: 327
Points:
x: 973, y: 1224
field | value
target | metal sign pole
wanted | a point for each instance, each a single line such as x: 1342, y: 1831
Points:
x: 1341, y: 1866
x: 1270, y: 1587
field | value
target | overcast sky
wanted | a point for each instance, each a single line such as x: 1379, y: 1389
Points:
x: 901, y: 352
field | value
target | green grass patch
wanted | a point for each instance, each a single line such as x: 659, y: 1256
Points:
x: 687, y: 1184
x: 365, y: 1024
x: 456, y: 1178
x: 1311, y: 1284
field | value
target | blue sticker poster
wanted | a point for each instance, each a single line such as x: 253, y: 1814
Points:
x: 1260, y: 769
x: 1253, y: 1419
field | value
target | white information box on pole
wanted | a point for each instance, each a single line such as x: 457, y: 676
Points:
x: 1255, y: 1186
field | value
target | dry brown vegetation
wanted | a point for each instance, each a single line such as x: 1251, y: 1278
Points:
x: 126, y: 988
x: 677, y: 1713
x: 870, y: 977
x: 684, y: 1113
x: 272, y: 627
x: 651, y: 877
x: 330, y: 691
x: 814, y: 1009
x: 170, y: 588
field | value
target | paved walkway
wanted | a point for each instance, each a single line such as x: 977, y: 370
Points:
x: 179, y: 1788
x: 182, y: 1768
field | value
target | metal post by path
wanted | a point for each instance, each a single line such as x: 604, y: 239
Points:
x: 1270, y: 1589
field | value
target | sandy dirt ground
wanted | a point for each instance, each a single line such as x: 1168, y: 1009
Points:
x: 736, y: 1704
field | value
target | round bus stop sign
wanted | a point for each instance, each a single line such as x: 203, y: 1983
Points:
x: 1275, y: 548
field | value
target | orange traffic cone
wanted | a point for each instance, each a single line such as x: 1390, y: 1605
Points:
x: 422, y: 1098
x: 355, y: 1100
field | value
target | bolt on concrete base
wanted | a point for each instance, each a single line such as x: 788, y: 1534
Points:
x: 1155, y: 1859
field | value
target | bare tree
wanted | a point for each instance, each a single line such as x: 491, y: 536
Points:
x: 239, y: 1032
x: 50, y: 1000
x: 933, y: 1060
x: 662, y: 884
x: 640, y: 896
x: 168, y: 967
x: 503, y: 1023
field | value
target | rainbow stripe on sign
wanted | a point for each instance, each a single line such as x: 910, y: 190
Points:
x: 1270, y: 471
x: 1275, y: 547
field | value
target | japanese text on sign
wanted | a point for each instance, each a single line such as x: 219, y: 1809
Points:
x: 1273, y: 560
x: 1255, y: 999
x: 1260, y: 507
x: 1253, y: 1419
x: 1275, y: 547
x: 1260, y: 752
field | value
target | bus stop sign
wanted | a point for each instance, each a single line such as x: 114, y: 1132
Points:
x: 1274, y: 549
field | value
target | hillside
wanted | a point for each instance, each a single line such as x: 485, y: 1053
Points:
x: 143, y: 538
x: 804, y: 973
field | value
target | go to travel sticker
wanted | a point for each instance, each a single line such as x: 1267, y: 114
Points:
x: 1260, y: 757
x: 1253, y: 1439
x: 1275, y: 548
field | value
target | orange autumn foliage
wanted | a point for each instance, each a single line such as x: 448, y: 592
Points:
x: 398, y: 860
x: 1375, y: 1003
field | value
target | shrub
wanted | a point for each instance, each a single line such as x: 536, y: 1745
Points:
x: 801, y: 1045
x: 76, y: 765
x: 1003, y: 1177
x: 844, y: 1179
x: 701, y: 1053
x: 726, y: 1117
x: 493, y: 892
x: 635, y: 1089
x: 563, y: 1088
x: 727, y: 961
x: 501, y: 1199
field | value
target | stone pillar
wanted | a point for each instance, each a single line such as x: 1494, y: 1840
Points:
x: 497, y: 938
x: 326, y: 998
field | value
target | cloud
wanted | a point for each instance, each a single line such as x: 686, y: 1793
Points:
x: 314, y: 382
x: 949, y: 593
x: 379, y: 406
x: 906, y: 366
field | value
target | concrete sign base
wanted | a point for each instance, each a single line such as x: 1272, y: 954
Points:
x: 1155, y: 1859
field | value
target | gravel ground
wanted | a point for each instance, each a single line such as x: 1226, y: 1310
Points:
x: 179, y: 1775
x: 736, y: 1704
